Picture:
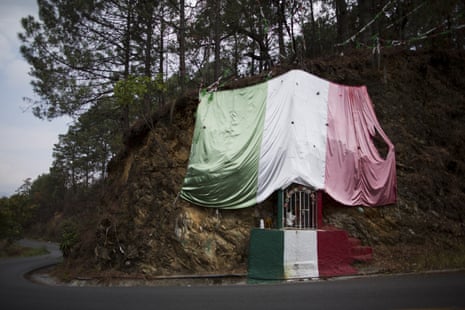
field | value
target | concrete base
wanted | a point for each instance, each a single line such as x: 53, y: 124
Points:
x: 334, y: 256
x: 283, y: 254
x: 266, y: 250
x: 298, y: 254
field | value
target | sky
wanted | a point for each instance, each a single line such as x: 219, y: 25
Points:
x: 26, y: 142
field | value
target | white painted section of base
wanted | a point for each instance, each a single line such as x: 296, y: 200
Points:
x: 300, y: 254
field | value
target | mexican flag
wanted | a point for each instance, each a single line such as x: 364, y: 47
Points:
x: 294, y: 128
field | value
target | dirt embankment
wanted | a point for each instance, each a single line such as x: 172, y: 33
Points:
x: 419, y: 98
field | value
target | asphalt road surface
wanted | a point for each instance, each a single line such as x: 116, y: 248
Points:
x: 444, y: 290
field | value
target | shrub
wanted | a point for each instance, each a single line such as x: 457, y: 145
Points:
x: 69, y: 237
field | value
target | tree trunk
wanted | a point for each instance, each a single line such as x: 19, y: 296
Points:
x: 341, y: 16
x: 281, y: 20
x: 127, y: 59
x: 148, y: 61
x: 161, y: 53
x: 217, y: 36
x: 236, y: 55
x: 182, y: 47
x: 313, y: 50
x: 364, y: 17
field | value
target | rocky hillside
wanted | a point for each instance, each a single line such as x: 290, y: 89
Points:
x: 419, y: 97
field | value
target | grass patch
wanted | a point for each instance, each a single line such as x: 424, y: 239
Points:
x: 15, y: 250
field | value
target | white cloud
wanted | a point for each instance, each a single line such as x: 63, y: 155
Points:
x: 26, y: 143
x: 26, y: 152
x: 16, y: 74
x: 17, y: 167
x: 27, y: 139
x: 6, y: 55
x: 11, y: 13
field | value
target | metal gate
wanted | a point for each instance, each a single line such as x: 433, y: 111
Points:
x: 300, y: 210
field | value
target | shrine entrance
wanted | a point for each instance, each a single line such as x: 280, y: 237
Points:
x: 300, y: 246
x: 299, y: 208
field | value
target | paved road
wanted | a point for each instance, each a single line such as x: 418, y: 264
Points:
x: 424, y: 291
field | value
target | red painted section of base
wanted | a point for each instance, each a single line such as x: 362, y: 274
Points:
x: 334, y: 253
x: 319, y: 209
x: 361, y: 253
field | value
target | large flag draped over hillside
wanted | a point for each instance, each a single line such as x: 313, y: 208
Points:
x: 294, y: 128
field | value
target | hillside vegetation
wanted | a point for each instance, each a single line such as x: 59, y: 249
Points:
x: 419, y: 97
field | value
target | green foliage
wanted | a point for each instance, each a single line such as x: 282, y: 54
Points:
x: 72, y: 49
x: 15, y: 212
x: 10, y: 228
x: 47, y: 194
x: 133, y: 89
x: 69, y: 237
x: 82, y: 154
x: 13, y: 249
x: 81, y: 52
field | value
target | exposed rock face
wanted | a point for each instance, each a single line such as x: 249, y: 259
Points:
x: 420, y: 101
x: 146, y: 228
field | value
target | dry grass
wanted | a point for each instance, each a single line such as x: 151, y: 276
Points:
x: 15, y: 250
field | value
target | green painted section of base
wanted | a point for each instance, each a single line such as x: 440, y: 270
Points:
x: 279, y: 220
x: 266, y: 250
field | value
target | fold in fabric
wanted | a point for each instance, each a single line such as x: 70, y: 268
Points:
x: 356, y: 174
x: 294, y: 128
x: 223, y: 164
x: 294, y: 134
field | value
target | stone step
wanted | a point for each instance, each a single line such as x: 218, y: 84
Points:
x: 361, y: 253
x: 361, y: 250
x: 354, y: 241
x: 362, y: 258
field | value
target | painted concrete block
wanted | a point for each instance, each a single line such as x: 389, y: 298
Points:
x: 300, y: 254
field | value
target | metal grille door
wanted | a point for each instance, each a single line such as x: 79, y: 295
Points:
x: 299, y: 208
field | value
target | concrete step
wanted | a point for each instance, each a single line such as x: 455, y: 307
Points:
x: 354, y: 241
x: 361, y: 253
x: 361, y: 250
x: 362, y: 258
